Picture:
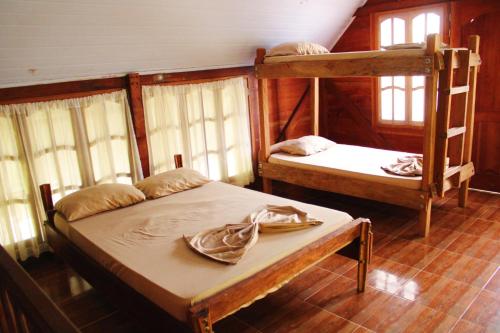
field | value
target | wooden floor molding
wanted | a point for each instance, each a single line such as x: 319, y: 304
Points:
x: 448, y: 282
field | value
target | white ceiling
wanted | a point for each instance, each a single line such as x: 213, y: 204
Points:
x: 59, y: 40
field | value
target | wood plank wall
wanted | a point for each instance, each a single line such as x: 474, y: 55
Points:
x: 348, y: 103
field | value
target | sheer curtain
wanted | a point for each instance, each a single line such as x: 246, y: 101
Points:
x: 68, y: 143
x: 207, y: 123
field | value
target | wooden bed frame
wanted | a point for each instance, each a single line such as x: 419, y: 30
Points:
x: 353, y: 240
x: 439, y: 126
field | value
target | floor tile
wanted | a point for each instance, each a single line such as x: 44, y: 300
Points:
x: 381, y: 239
x: 341, y: 298
x: 464, y: 326
x: 491, y: 213
x: 86, y: 308
x: 64, y: 284
x: 388, y: 224
x: 309, y: 282
x: 485, y: 311
x: 116, y: 322
x: 337, y: 264
x: 472, y: 209
x: 408, y: 252
x: 438, y: 237
x: 477, y: 247
x: 448, y: 220
x: 400, y: 315
x: 494, y: 284
x: 484, y: 228
x: 439, y: 293
x: 310, y: 318
x: 386, y: 275
x: 232, y: 324
x: 462, y: 268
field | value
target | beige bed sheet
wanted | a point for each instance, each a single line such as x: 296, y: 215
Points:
x: 143, y: 244
x: 353, y: 162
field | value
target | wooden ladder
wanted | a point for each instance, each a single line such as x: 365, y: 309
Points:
x: 455, y: 119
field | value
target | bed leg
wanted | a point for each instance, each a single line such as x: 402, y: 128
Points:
x: 201, y: 321
x: 267, y: 185
x: 365, y: 251
x: 463, y: 194
x: 424, y: 218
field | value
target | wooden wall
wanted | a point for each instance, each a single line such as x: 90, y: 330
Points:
x: 349, y: 104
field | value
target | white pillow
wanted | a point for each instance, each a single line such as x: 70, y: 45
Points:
x: 306, y: 145
x: 298, y: 48
x: 171, y: 182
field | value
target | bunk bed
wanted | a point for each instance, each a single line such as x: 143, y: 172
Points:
x: 447, y: 136
x: 175, y: 285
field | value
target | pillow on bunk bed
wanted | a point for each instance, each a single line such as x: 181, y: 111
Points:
x: 299, y: 48
x: 97, y: 199
x: 306, y: 145
x: 171, y: 182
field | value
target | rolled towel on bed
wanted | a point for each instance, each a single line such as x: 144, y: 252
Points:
x: 409, y: 166
x: 229, y: 243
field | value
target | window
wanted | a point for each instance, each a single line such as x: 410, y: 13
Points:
x: 207, y: 123
x: 400, y: 98
x: 68, y: 143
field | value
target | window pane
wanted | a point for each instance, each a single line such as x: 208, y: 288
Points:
x: 399, y: 31
x: 385, y: 33
x: 386, y: 104
x: 399, y: 105
x: 433, y: 23
x: 418, y: 29
x: 399, y: 81
x: 417, y: 81
x: 417, y: 105
x: 386, y: 81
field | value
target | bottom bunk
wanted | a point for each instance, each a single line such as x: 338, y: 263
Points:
x: 355, y: 171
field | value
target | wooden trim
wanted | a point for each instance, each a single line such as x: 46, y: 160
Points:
x: 395, y: 5
x: 195, y: 76
x: 62, y: 90
x: 367, y: 63
x: 344, y: 185
x: 137, y: 109
x: 314, y: 105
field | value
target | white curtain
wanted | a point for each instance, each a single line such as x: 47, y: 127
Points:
x: 70, y: 144
x: 207, y: 123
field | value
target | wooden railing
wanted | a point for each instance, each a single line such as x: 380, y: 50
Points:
x: 24, y: 307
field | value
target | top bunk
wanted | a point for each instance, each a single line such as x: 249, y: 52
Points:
x: 404, y: 62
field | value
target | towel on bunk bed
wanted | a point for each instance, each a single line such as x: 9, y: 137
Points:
x: 409, y: 166
x: 229, y: 243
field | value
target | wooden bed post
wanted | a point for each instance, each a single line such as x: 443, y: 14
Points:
x: 433, y: 45
x: 364, y: 258
x: 469, y: 121
x: 314, y: 96
x: 201, y: 321
x: 48, y: 205
x: 178, y: 161
x: 265, y: 144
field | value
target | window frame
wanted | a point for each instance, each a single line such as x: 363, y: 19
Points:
x: 407, y: 126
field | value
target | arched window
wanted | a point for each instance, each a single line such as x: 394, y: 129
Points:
x: 400, y: 98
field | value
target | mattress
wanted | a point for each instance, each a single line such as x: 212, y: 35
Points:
x: 143, y: 244
x: 351, y: 162
x: 346, y: 55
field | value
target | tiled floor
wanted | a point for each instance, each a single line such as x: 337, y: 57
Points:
x: 449, y: 282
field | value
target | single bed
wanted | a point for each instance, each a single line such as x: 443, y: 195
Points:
x: 110, y: 248
x: 351, y: 161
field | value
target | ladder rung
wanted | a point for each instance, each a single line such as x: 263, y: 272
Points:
x: 454, y: 131
x: 456, y: 90
x: 451, y: 171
